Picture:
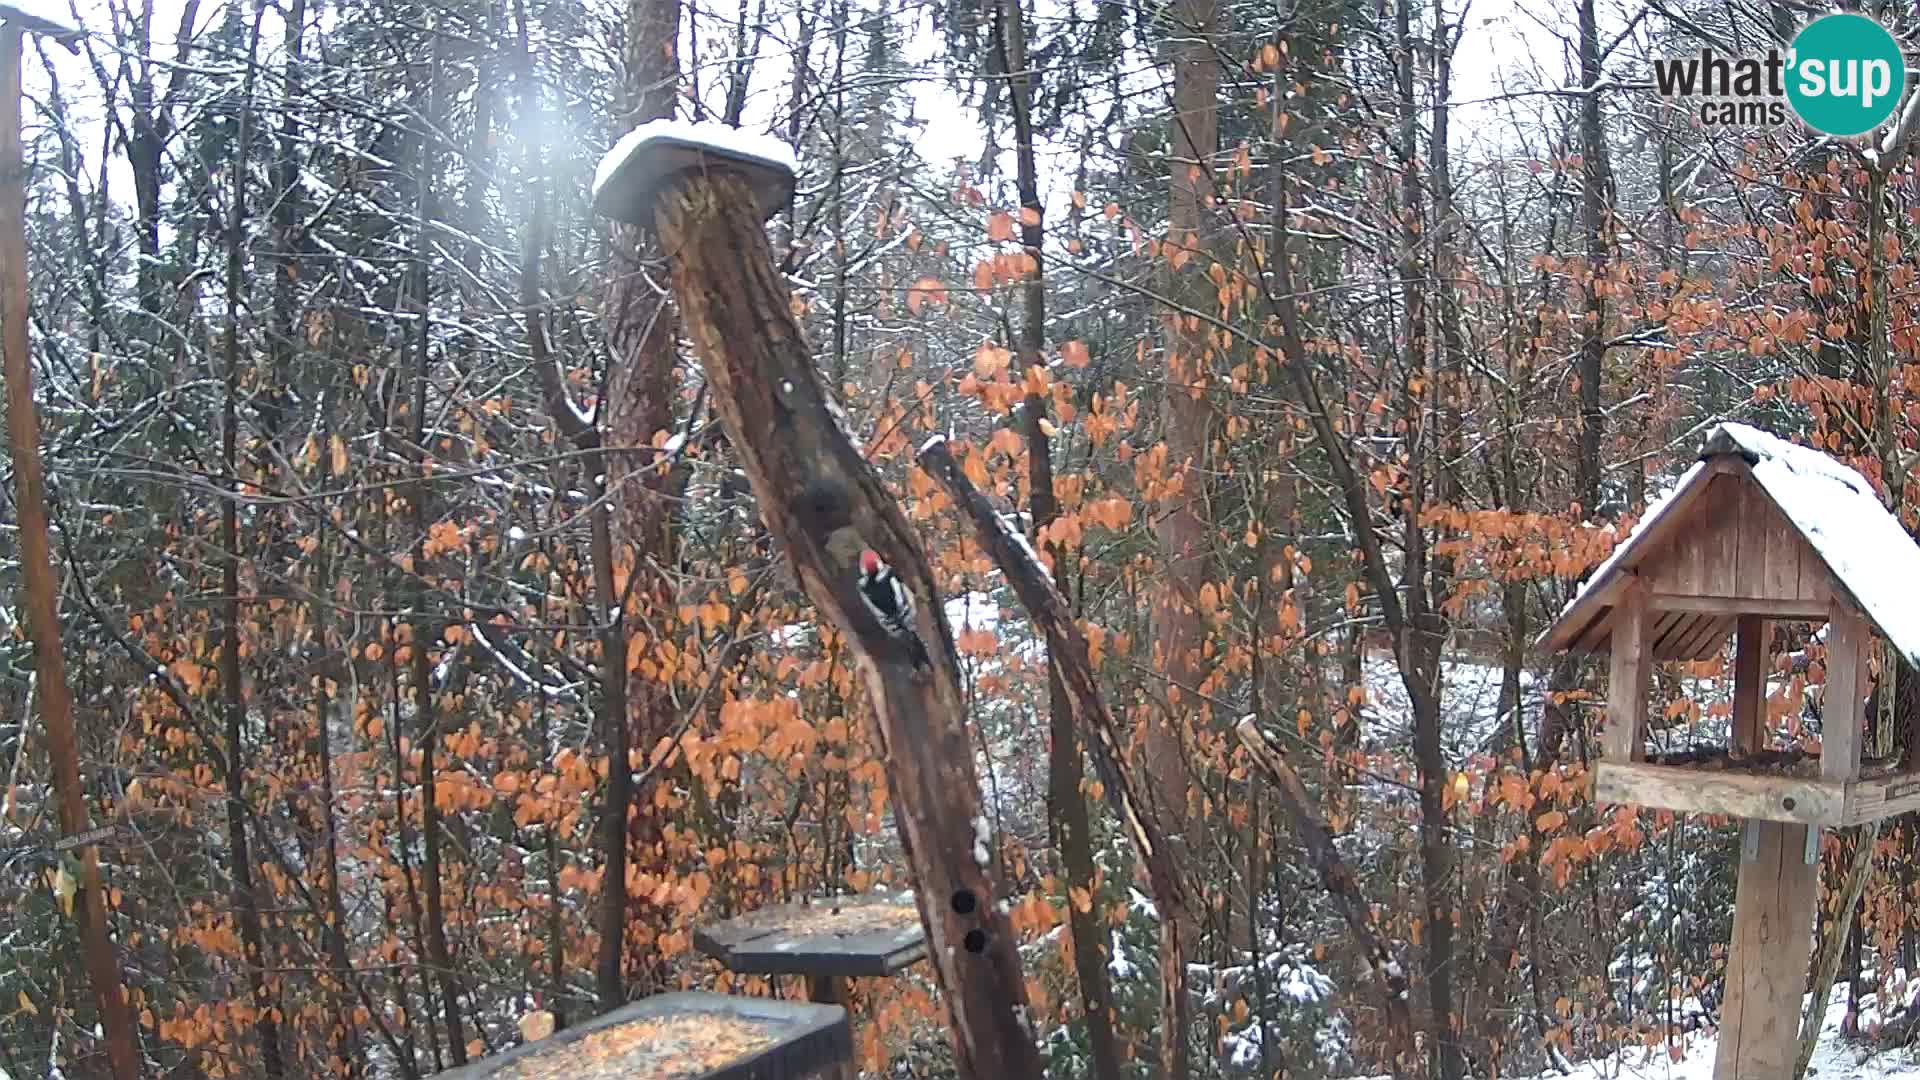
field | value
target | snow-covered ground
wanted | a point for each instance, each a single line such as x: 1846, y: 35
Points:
x: 1833, y: 1059
x: 1469, y: 698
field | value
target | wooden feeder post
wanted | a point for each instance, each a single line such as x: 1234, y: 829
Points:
x: 706, y: 190
x: 1758, y: 530
x: 36, y: 555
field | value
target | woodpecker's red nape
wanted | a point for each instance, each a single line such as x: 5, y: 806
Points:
x: 869, y: 561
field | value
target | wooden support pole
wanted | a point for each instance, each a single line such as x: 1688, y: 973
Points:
x: 36, y: 566
x: 1767, y: 966
x: 1749, y: 683
x: 831, y: 990
x: 1841, y: 708
x: 1631, y: 667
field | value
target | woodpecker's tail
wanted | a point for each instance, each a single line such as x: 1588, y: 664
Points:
x: 918, y: 650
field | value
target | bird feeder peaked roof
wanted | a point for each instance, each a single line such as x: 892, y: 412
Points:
x: 1757, y: 526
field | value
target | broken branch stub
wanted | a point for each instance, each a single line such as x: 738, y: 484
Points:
x: 823, y: 501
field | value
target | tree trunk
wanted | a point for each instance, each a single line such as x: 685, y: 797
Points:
x: 1087, y: 708
x: 1594, y: 178
x: 1067, y: 806
x: 825, y: 504
x: 640, y: 331
x: 1186, y: 412
x: 233, y: 697
x: 425, y: 634
x: 36, y: 567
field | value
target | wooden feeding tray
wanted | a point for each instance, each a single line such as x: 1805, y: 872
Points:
x: 875, y: 934
x: 1764, y: 792
x: 685, y: 1036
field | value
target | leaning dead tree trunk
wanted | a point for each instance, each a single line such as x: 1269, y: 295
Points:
x: 36, y: 553
x: 823, y: 501
x: 1067, y: 649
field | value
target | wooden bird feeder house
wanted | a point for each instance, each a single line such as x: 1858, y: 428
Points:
x: 1758, y: 529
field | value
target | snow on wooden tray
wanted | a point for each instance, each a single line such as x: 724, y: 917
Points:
x: 872, y: 935
x: 636, y: 170
x: 685, y: 1036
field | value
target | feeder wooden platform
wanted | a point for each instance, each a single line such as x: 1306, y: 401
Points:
x: 828, y: 940
x: 686, y: 1036
x: 847, y: 936
x: 1805, y: 801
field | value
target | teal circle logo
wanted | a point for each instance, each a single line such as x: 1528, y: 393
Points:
x: 1845, y: 75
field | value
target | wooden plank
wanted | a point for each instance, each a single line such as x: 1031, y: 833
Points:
x: 1767, y: 966
x: 1751, y: 537
x: 849, y: 936
x: 1874, y: 800
x: 1704, y: 791
x: 1814, y: 574
x: 1722, y: 542
x: 1749, y: 684
x: 1707, y: 638
x: 1789, y: 608
x: 1842, y: 712
x: 1665, y: 633
x: 1602, y: 593
x: 1627, y: 675
x: 1596, y: 632
x: 1781, y: 577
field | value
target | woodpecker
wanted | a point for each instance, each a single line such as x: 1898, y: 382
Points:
x: 890, y: 603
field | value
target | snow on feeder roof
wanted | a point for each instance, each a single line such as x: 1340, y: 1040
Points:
x: 1837, y: 540
x: 46, y: 17
x: 635, y: 172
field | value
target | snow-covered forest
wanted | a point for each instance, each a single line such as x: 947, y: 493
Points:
x: 437, y: 670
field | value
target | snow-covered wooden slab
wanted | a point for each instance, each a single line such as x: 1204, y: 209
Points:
x: 685, y: 1036
x: 648, y: 158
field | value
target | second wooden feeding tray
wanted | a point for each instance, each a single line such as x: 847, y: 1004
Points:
x: 827, y: 940
x: 1757, y: 529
